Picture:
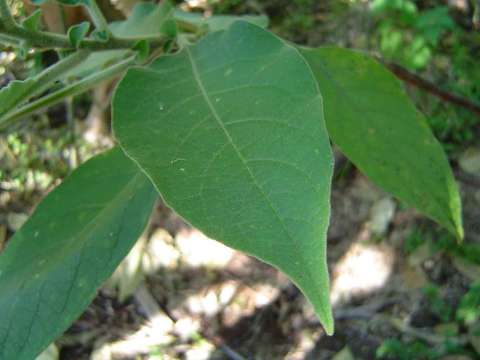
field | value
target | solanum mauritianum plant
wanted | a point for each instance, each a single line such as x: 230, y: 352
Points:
x: 232, y: 127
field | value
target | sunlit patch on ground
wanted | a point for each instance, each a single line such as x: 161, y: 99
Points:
x: 198, y: 250
x: 364, y: 268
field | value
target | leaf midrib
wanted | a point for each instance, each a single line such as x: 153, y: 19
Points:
x: 218, y: 119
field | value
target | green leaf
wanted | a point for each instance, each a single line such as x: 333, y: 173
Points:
x: 219, y: 22
x: 77, y: 33
x: 147, y: 19
x: 73, y: 242
x: 143, y: 49
x: 434, y: 22
x: 375, y: 124
x: 32, y: 22
x: 19, y: 92
x: 15, y: 93
x: 169, y: 28
x: 237, y: 145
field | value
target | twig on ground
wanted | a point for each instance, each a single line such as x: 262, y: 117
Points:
x: 153, y: 307
x: 366, y: 311
x: 428, y: 337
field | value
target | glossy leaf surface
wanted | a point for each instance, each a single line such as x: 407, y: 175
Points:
x: 376, y: 125
x: 238, y: 148
x: 75, y: 239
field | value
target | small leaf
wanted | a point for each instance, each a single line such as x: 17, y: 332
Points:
x: 16, y: 92
x: 73, y: 242
x: 169, y: 28
x: 32, y: 22
x: 143, y: 50
x: 219, y: 22
x: 147, y: 19
x: 231, y: 132
x: 19, y: 92
x: 77, y: 33
x: 378, y: 128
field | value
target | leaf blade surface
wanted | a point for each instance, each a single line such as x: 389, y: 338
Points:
x: 51, y: 268
x: 219, y: 22
x: 375, y: 124
x: 237, y: 148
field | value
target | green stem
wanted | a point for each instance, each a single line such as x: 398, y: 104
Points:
x: 97, y: 17
x: 49, y: 40
x: 71, y: 90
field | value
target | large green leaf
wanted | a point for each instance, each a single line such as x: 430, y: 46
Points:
x: 375, y: 124
x: 77, y: 236
x: 231, y: 132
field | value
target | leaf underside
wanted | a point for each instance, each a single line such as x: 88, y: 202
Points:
x: 232, y: 134
x: 77, y: 236
x: 375, y: 124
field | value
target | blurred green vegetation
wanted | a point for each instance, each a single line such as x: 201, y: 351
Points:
x: 33, y: 161
x: 469, y: 309
x: 396, y: 349
x: 467, y: 314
